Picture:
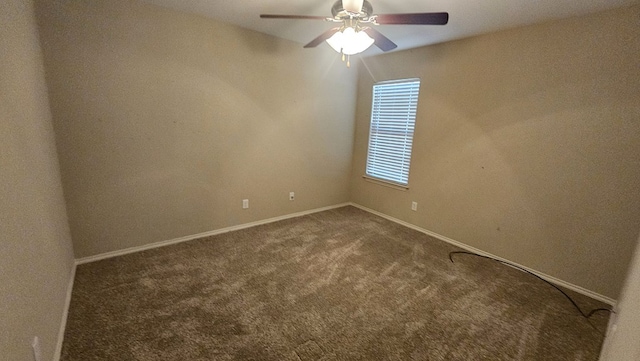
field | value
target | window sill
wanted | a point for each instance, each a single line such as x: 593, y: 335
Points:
x: 386, y: 183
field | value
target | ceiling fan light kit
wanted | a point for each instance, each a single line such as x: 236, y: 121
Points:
x: 349, y: 41
x: 354, y: 36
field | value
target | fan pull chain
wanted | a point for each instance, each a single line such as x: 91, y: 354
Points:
x: 347, y: 58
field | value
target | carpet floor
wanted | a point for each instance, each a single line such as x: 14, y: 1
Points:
x: 336, y: 285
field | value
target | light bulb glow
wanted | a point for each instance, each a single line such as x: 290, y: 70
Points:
x: 335, y: 41
x: 349, y: 41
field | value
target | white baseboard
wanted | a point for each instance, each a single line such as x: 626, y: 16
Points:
x: 65, y: 315
x: 551, y: 279
x: 554, y: 280
x: 121, y: 252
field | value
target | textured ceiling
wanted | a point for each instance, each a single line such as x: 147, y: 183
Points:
x: 467, y: 17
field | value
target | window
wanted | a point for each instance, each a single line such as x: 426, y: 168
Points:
x: 393, y: 118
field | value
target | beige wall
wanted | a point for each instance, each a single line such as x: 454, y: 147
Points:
x: 35, y: 246
x: 527, y: 145
x: 165, y: 121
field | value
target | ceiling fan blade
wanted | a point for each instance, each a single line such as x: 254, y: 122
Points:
x: 352, y: 6
x: 413, y: 19
x: 324, y: 36
x: 297, y: 17
x: 380, y: 40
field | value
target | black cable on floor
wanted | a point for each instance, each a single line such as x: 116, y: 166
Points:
x: 585, y: 315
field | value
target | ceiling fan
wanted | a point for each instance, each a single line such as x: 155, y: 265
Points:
x: 354, y: 35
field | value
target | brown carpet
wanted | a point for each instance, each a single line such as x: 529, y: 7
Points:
x: 337, y: 285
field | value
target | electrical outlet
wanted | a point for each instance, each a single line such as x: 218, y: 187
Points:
x: 245, y: 203
x: 35, y: 346
x: 292, y: 196
x: 414, y: 206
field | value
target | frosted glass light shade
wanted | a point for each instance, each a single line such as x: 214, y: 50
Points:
x: 350, y: 42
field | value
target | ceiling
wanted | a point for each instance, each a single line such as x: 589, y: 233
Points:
x: 466, y: 17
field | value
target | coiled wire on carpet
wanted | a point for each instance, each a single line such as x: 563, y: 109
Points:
x: 585, y: 315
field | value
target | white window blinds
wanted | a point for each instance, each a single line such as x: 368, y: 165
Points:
x: 393, y: 117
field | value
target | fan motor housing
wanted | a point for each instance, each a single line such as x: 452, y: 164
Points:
x: 338, y: 11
